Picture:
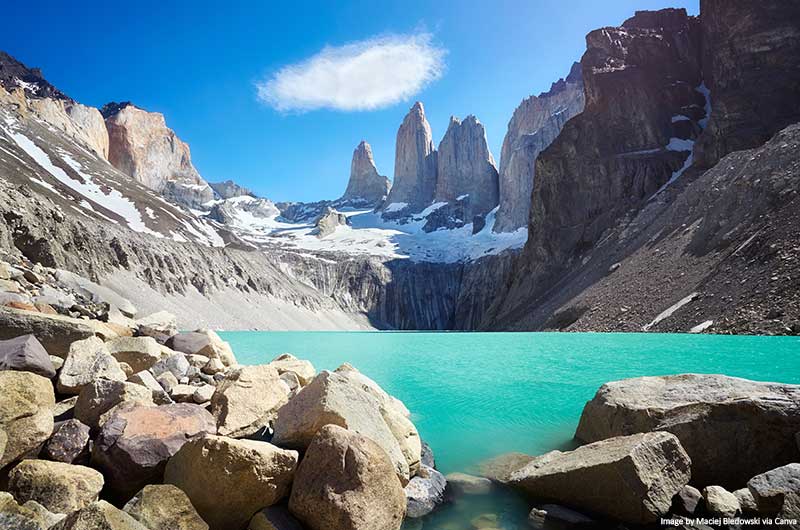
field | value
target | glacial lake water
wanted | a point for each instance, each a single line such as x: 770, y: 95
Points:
x: 477, y: 395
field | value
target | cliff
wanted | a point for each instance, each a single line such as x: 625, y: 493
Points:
x: 365, y: 185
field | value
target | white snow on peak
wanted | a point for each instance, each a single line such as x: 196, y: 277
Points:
x: 703, y: 89
x: 395, y: 207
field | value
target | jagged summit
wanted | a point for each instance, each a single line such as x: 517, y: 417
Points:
x: 112, y: 107
x: 14, y: 74
x: 228, y: 189
x: 365, y: 184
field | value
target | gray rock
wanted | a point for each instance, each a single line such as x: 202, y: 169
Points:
x: 686, y: 500
x: 26, y: 354
x: 59, y: 487
x: 465, y: 484
x: 176, y: 364
x: 327, y: 222
x: 274, y: 518
x: 424, y: 492
x: 55, y: 332
x: 95, y: 293
x: 426, y: 455
x: 500, y: 468
x: 777, y: 491
x: 203, y: 393
x: 550, y: 515
x: 415, y: 162
x: 248, y: 400
x: 14, y: 516
x: 228, y: 189
x: 746, y: 501
x: 720, y: 502
x: 100, y: 398
x: 140, y: 353
x: 365, y: 186
x: 705, y: 412
x: 99, y: 515
x: 630, y: 478
x: 69, y: 443
x: 88, y: 360
x: 167, y: 380
x: 161, y: 326
x: 466, y: 167
x: 164, y: 507
x: 204, y: 342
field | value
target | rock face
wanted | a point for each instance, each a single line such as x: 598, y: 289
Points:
x: 164, y: 507
x: 414, y: 163
x: 247, y: 400
x: 465, y: 166
x: 534, y: 125
x: 59, y: 487
x: 228, y: 189
x: 26, y: 354
x: 346, y: 481
x: 742, y: 48
x: 327, y: 222
x: 142, y: 146
x: 705, y: 412
x: 135, y: 443
x: 331, y: 398
x: 630, y: 478
x: 229, y: 480
x: 26, y: 413
x: 365, y: 185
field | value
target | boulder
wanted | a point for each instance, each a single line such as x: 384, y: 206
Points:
x: 328, y: 221
x: 69, y: 443
x: 720, y: 502
x: 746, y: 501
x: 229, y: 480
x: 274, y: 518
x: 14, y: 516
x: 55, y: 332
x: 161, y: 326
x: 183, y: 393
x: 140, y: 353
x: 198, y: 361
x: 247, y: 400
x: 26, y: 354
x: 424, y: 492
x: 426, y: 455
x: 65, y: 409
x: 176, y: 364
x: 88, y: 360
x: 59, y: 487
x: 135, y: 443
x: 687, y: 500
x: 213, y: 366
x: 57, y: 362
x: 464, y: 484
x: 204, y: 342
x: 346, y: 481
x: 630, y: 478
x: 706, y: 413
x: 777, y: 491
x: 553, y: 515
x: 146, y: 379
x: 164, y: 507
x: 500, y: 468
x: 203, y: 393
x: 97, y: 516
x: 47, y: 517
x: 288, y: 363
x: 26, y: 413
x: 99, y: 398
x: 331, y: 398
x: 371, y: 387
x: 168, y: 381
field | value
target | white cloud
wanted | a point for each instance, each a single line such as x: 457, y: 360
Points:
x: 364, y: 75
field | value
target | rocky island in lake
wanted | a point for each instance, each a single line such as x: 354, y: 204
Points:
x: 158, y: 369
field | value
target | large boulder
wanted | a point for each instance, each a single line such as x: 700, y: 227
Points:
x: 140, y: 353
x: 55, y: 332
x: 100, y: 397
x: 88, y: 360
x: 501, y: 467
x: 164, y: 507
x: 629, y: 478
x: 247, y: 400
x: 69, y: 443
x: 26, y: 354
x: 204, y: 342
x: 706, y: 413
x: 229, y: 480
x: 29, y: 516
x: 720, y: 502
x: 26, y: 413
x: 59, y: 487
x: 161, y: 326
x: 135, y: 443
x: 347, y: 482
x: 99, y: 516
x: 287, y: 362
x: 331, y: 398
x: 777, y: 491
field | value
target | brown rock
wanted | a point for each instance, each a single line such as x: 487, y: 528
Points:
x: 100, y: 397
x: 99, y: 515
x: 164, y: 507
x: 346, y: 481
x: 247, y: 400
x: 55, y: 332
x: 26, y: 413
x: 135, y: 443
x: 274, y: 518
x: 229, y: 480
x: 140, y: 353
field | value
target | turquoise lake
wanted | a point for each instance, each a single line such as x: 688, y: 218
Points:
x: 477, y: 395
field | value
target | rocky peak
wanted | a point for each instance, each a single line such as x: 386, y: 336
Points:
x: 327, y: 222
x: 228, y: 189
x: 535, y: 124
x: 465, y: 167
x: 142, y: 146
x: 14, y: 74
x: 365, y: 184
x: 670, y: 19
x: 415, y: 162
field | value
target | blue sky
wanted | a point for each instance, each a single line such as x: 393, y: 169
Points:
x: 201, y: 64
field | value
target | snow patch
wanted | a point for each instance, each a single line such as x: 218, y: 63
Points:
x: 668, y: 312
x: 702, y: 326
x: 396, y: 207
